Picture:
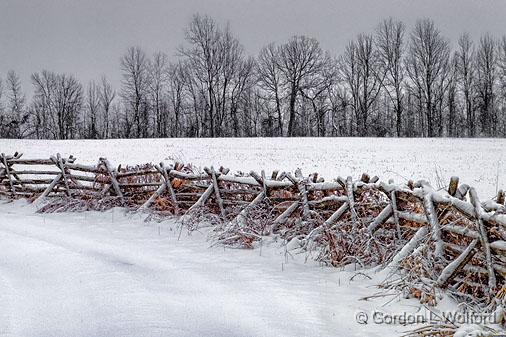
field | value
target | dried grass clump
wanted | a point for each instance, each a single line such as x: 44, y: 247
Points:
x: 348, y: 241
x: 198, y: 218
x: 246, y: 229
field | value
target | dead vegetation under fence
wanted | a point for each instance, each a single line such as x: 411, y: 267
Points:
x: 430, y: 239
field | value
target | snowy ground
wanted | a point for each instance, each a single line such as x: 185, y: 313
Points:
x: 112, y: 274
x: 478, y: 162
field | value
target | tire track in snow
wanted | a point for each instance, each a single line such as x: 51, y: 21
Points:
x: 138, y: 268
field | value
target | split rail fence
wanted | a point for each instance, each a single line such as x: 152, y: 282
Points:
x: 448, y: 237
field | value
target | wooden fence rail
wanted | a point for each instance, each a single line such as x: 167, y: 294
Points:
x: 466, y: 237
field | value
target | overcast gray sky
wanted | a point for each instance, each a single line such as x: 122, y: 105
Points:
x: 87, y: 37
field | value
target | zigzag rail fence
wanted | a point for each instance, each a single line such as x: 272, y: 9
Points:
x: 445, y: 239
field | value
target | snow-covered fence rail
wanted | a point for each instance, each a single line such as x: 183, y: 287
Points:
x: 448, y: 237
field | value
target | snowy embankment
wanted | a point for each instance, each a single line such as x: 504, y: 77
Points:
x: 478, y: 162
x: 112, y: 274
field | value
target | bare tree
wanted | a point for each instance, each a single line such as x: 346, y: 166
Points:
x: 300, y: 59
x: 315, y: 89
x: 427, y: 67
x: 486, y: 72
x: 134, y: 65
x: 177, y: 85
x: 57, y: 103
x: 361, y: 71
x: 3, y: 117
x: 217, y: 71
x: 452, y: 97
x: 390, y: 44
x: 235, y: 72
x: 270, y: 81
x: 106, y: 97
x: 502, y: 79
x: 92, y: 109
x: 241, y: 90
x: 340, y: 120
x: 158, y: 72
x: 502, y: 63
x: 466, y: 79
x: 16, y: 117
x: 204, y: 58
x: 196, y: 92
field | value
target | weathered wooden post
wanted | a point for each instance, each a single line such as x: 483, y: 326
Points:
x: 8, y: 174
x: 112, y: 175
x: 453, y: 186
x: 500, y: 197
x: 212, y: 173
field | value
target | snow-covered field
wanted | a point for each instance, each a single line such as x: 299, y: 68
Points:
x: 478, y: 162
x: 113, y: 274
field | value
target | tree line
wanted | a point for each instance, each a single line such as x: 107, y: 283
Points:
x: 391, y: 82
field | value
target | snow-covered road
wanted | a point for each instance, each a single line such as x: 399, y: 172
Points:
x: 112, y: 274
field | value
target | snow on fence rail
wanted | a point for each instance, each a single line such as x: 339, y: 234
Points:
x: 438, y: 239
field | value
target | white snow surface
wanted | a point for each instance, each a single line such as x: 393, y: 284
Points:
x: 113, y: 274
x: 478, y: 162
